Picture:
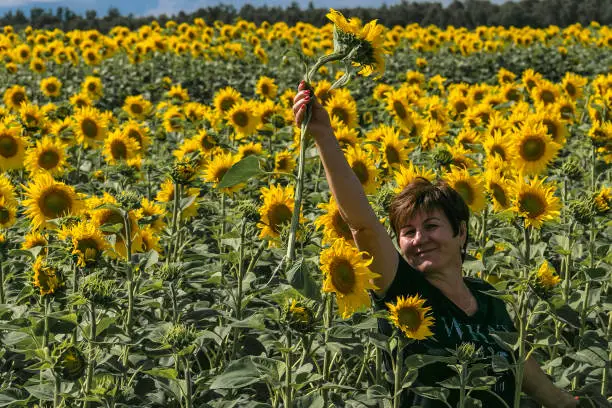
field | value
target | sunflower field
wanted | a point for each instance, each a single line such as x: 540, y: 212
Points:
x: 149, y: 179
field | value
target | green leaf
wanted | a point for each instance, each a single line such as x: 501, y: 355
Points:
x: 41, y: 391
x: 596, y: 274
x: 299, y: 277
x: 241, y: 172
x: 432, y: 392
x: 313, y: 400
x: 169, y: 373
x: 238, y: 374
x: 568, y: 316
x: 593, y: 356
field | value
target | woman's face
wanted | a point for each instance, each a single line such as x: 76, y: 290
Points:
x: 429, y: 243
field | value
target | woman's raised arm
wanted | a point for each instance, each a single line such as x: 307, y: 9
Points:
x: 369, y: 234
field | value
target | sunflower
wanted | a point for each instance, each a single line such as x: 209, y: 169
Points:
x: 178, y: 92
x: 250, y: 149
x: 225, y: 99
x: 152, y: 215
x: 346, y: 274
x: 92, y: 56
x: 431, y: 133
x: 367, y: 40
x: 89, y: 126
x: 173, y: 119
x: 364, y: 168
x: 49, y: 155
x: 14, y: 97
x: 405, y: 175
x: 498, y: 188
x: 7, y: 191
x: 467, y: 138
x: 505, y: 77
x: 573, y: 85
x: 217, y: 167
x: 343, y: 106
x: 92, y: 86
x: 266, y: 88
x: 555, y: 126
x: 333, y: 224
x: 603, y: 200
x: 460, y: 157
x: 111, y: 216
x: 276, y: 211
x: 545, y: 92
x: 81, y: 100
x: 411, y: 316
x: 470, y: 188
x: 346, y: 136
x: 535, y: 202
x: 137, y: 107
x: 31, y: 116
x: 87, y: 241
x: 393, y: 149
x: 497, y: 144
x: 45, y: 277
x: 533, y: 149
x: 150, y: 240
x: 530, y: 78
x: 458, y: 104
x: 12, y: 147
x: 8, y: 213
x: 546, y: 276
x: 166, y: 195
x: 119, y: 147
x: 399, y: 108
x: 51, y: 87
x: 48, y: 199
x: 35, y: 239
x: 138, y: 132
x: 243, y: 119
x: 284, y: 162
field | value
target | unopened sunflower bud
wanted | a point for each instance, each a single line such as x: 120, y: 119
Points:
x: 168, y: 272
x: 179, y: 336
x: 583, y: 211
x: 278, y: 121
x: 442, y: 157
x: 183, y: 171
x: 572, y: 169
x: 299, y: 317
x: 70, y: 364
x: 129, y: 200
x: 466, y: 352
x: 97, y: 290
x: 249, y: 210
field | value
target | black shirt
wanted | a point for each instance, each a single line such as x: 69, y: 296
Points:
x: 451, y: 327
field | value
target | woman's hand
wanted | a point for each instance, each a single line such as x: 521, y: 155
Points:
x: 319, y: 124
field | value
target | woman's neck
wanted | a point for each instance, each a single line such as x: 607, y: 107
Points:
x: 454, y: 288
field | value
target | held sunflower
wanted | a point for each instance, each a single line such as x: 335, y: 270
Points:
x: 411, y: 316
x: 346, y: 274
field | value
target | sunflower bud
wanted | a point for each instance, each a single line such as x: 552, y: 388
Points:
x: 249, y: 210
x: 299, y: 317
x: 442, y: 157
x: 179, y: 336
x: 97, y: 290
x: 572, y: 169
x: 583, y: 211
x: 467, y: 352
x: 70, y: 364
x: 129, y: 200
x: 183, y: 171
x: 168, y: 272
x: 278, y: 121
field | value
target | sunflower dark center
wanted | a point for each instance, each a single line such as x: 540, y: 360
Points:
x: 532, y: 204
x: 499, y: 194
x: 497, y: 149
x: 465, y: 191
x: 51, y: 88
x: 392, y: 155
x: 361, y: 171
x: 265, y: 89
x: 17, y: 98
x: 113, y: 217
x: 89, y: 128
x: 48, y: 159
x: 135, y: 135
x: 8, y: 146
x: 547, y: 96
x: 460, y: 106
x: 87, y: 243
x: 570, y: 89
x: 409, y: 317
x: 566, y: 112
x: 399, y: 109
x: 136, y: 108
x: 220, y: 173
x: 206, y: 143
x: 279, y: 215
x: 512, y: 95
x: 55, y: 203
x: 533, y: 149
x: 227, y: 103
x: 241, y: 118
x: 118, y: 149
x: 282, y: 164
x: 341, y: 113
x: 4, y: 215
x: 342, y: 276
x: 91, y: 87
x: 341, y: 227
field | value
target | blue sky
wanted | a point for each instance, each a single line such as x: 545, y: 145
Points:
x: 170, y: 7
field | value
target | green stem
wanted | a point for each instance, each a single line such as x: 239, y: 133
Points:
x: 327, y: 320
x: 527, y: 238
x: 174, y: 304
x: 567, y: 263
x: 75, y: 309
x: 605, y: 375
x: 188, y: 385
x: 46, y: 324
x: 520, y: 363
x: 399, y: 363
x: 57, y: 391
x: 462, y: 384
x: 1, y: 279
x: 288, y: 369
x: 336, y: 56
x: 91, y: 358
x: 175, y: 207
x: 297, y: 202
x: 483, y: 242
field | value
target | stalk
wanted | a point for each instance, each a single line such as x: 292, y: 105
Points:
x: 605, y: 375
x: 399, y: 363
x: 188, y: 385
x: 327, y: 319
x: 239, y: 279
x: 527, y: 238
x: 463, y: 378
x: 288, y: 367
x: 46, y: 324
x: 483, y: 242
x: 1, y: 280
x: 174, y: 304
x: 567, y: 263
x: 175, y: 208
x: 130, y: 284
x: 56, y: 391
x: 91, y: 363
x: 75, y: 309
x: 520, y: 364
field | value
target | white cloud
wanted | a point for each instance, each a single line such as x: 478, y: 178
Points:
x: 21, y: 3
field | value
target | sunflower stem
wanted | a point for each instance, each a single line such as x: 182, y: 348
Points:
x: 57, y: 390
x: 75, y: 308
x: 567, y: 263
x: 176, y: 200
x: 527, y: 239
x: 1, y: 279
x: 520, y: 363
x: 483, y: 242
x: 288, y: 369
x: 188, y: 385
x: 327, y: 321
x: 91, y: 358
x: 336, y: 56
x: 605, y: 375
x: 399, y: 367
x: 46, y: 304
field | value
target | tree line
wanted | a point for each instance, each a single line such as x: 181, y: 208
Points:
x: 467, y: 13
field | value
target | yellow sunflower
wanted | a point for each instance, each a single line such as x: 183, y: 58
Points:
x: 394, y: 150
x: 530, y: 78
x: 119, y: 147
x: 411, y: 316
x: 7, y: 191
x: 470, y: 188
x: 31, y: 116
x: 150, y: 240
x: 139, y: 132
x: 343, y: 106
x: 545, y: 92
x: 346, y: 136
x: 166, y: 195
x: 551, y: 118
x: 533, y: 149
x: 15, y: 96
x: 152, y: 215
x: 35, y: 239
x: 87, y: 241
x: 284, y: 162
x: 45, y: 277
x: 498, y: 188
x: 276, y: 211
x: 92, y: 86
x: 546, y: 276
x: 137, y: 107
x: 250, y: 149
x: 49, y: 155
x: 364, y: 168
x: 47, y: 199
x: 217, y: 167
x: 12, y: 147
x: 406, y: 174
x: 225, y: 98
x: 242, y: 117
x: 603, y: 200
x: 81, y: 100
x: 266, y: 88
x: 333, y: 224
x: 173, y: 119
x: 498, y: 144
x: 51, y: 87
x: 535, y: 202
x: 573, y: 85
x: 399, y: 108
x: 89, y: 126
x: 8, y: 213
x: 178, y: 92
x: 346, y: 274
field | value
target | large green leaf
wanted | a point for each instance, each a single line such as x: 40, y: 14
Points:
x: 238, y: 374
x: 299, y: 277
x: 240, y: 172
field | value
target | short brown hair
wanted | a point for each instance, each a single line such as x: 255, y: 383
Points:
x: 423, y: 195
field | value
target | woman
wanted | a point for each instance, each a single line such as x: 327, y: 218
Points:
x: 431, y: 225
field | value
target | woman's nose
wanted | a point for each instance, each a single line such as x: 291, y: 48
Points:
x: 418, y: 237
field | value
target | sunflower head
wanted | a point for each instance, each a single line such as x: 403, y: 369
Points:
x: 299, y: 317
x: 48, y: 199
x: 409, y: 315
x: 46, y: 277
x: 535, y: 202
x: 545, y: 278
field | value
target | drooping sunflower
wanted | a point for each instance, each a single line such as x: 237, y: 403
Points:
x: 343, y: 106
x: 150, y: 240
x: 276, y: 210
x: 266, y: 88
x: 45, y: 277
x: 137, y: 107
x: 87, y: 242
x: 346, y: 274
x: 406, y: 174
x: 89, y: 126
x: 498, y: 188
x: 534, y: 201
x: 242, y: 117
x: 411, y: 316
x: 333, y: 224
x: 370, y: 38
x: 51, y: 87
x: 226, y: 98
x: 8, y: 213
x: 49, y: 155
x: 217, y: 167
x: 533, y: 148
x: 364, y: 168
x: 119, y: 147
x: 470, y: 187
x: 12, y: 147
x: 546, y: 276
x: 47, y: 199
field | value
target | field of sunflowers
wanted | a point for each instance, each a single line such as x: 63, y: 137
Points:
x: 153, y: 252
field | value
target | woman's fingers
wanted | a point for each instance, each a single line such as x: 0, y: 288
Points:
x: 301, y: 95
